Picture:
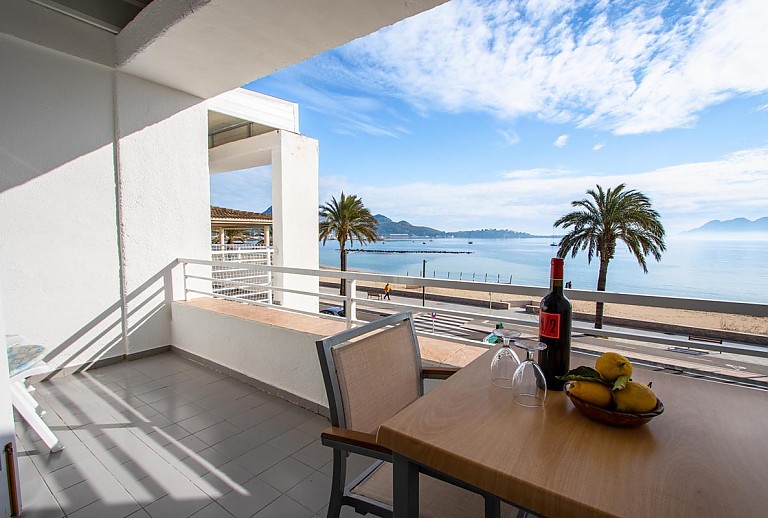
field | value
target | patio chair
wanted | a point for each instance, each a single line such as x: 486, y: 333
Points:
x: 371, y: 372
x: 24, y: 361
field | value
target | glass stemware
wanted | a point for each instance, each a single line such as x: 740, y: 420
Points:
x: 529, y: 387
x: 505, y: 361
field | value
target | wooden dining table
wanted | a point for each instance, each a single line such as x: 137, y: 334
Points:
x: 706, y: 455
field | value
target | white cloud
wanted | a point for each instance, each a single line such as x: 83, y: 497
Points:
x: 762, y: 107
x: 560, y: 141
x: 598, y: 147
x: 630, y: 67
x: 539, y: 171
x: 510, y: 137
x: 686, y: 195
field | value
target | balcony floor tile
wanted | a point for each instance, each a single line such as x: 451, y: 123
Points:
x: 137, y: 445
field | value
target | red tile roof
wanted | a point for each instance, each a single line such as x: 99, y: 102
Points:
x: 225, y: 213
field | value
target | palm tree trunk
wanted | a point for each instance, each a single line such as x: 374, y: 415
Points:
x: 601, y: 278
x: 342, y: 283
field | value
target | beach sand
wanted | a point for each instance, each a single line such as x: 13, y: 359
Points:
x: 697, y: 319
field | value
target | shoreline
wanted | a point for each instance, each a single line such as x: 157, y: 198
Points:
x: 695, y: 319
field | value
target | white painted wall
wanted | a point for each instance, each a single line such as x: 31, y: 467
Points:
x: 294, y: 216
x: 164, y: 189
x: 63, y: 227
x: 283, y: 358
x: 58, y: 239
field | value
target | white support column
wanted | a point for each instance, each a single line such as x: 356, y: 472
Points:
x: 294, y: 215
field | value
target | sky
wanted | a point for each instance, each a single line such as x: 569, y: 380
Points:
x: 480, y: 114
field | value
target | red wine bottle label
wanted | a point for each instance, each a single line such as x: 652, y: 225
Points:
x: 549, y: 325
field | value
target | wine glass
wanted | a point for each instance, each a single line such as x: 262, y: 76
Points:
x: 529, y: 387
x: 505, y: 361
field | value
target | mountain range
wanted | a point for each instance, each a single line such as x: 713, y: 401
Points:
x: 387, y: 227
x: 731, y: 226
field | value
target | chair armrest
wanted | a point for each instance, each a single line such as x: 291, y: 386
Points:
x: 440, y: 373
x: 354, y: 441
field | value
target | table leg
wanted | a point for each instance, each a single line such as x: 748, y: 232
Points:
x: 406, y: 487
x: 492, y: 507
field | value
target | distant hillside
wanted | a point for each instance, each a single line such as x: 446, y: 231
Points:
x: 386, y: 227
x: 732, y: 226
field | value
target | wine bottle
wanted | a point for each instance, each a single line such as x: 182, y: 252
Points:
x: 555, y: 313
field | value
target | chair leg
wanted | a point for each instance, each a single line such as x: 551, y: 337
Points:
x: 19, y: 399
x: 337, y: 483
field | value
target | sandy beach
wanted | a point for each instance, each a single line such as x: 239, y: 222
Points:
x: 697, y: 319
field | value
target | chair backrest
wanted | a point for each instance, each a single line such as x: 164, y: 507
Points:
x: 371, y: 372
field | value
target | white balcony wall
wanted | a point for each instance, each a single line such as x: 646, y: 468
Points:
x: 83, y: 218
x: 284, y: 358
x: 59, y: 262
x: 164, y: 190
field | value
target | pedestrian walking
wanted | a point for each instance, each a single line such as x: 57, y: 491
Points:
x: 387, y: 290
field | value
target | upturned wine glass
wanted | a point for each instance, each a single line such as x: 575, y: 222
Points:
x: 505, y: 361
x: 529, y: 387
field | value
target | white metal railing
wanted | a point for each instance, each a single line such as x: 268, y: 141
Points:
x: 249, y: 284
x: 351, y: 301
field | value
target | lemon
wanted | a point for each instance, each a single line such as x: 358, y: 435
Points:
x: 592, y: 392
x: 635, y: 398
x: 612, y: 365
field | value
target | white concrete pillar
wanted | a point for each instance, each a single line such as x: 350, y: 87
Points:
x: 294, y: 215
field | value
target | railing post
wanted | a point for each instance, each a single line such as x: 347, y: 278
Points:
x: 184, y: 278
x: 351, y: 305
x: 268, y: 252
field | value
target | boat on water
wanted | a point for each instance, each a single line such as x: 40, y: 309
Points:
x: 469, y: 242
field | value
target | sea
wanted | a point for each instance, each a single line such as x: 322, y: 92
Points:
x: 732, y: 270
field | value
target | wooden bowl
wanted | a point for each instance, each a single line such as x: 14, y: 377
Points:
x: 613, y: 417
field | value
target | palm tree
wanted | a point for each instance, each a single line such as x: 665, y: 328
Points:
x: 347, y: 219
x: 615, y: 214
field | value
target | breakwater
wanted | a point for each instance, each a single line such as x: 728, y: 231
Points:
x: 369, y: 251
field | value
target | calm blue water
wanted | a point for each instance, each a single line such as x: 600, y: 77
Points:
x: 725, y: 270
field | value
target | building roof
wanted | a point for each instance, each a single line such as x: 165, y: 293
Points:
x: 225, y: 213
x: 222, y: 217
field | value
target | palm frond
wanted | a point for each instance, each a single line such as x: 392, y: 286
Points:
x: 346, y: 219
x: 607, y: 216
